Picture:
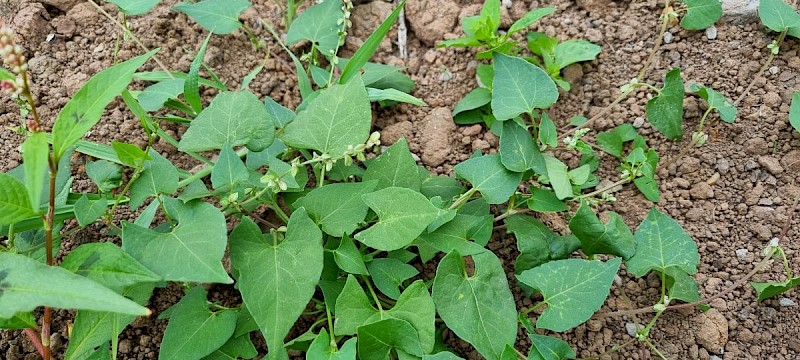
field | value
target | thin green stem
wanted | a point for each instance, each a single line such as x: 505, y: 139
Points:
x: 374, y: 295
x: 610, y: 351
x: 281, y: 214
x: 605, y: 189
x: 526, y: 312
x: 510, y: 212
x: 206, y: 170
x: 124, y: 191
x: 330, y: 328
x: 764, y: 68
x: 604, y: 112
x: 659, y: 40
x: 786, y: 265
x: 655, y: 349
x: 11, y: 236
x: 463, y: 199
x: 702, y: 124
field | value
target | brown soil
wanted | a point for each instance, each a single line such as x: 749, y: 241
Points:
x: 733, y: 193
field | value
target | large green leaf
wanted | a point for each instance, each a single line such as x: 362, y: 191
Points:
x: 190, y: 251
x: 518, y: 151
x: 487, y: 174
x: 318, y: 24
x: 376, y: 340
x: 235, y: 118
x: 87, y: 105
x: 321, y: 348
x: 479, y: 308
x: 26, y: 284
x: 403, y: 214
x: 573, y: 299
x: 193, y: 330
x: 613, y: 237
x: 35, y: 151
x: 394, y: 167
x: 777, y: 15
x: 665, y: 111
x: 519, y: 87
x: 338, y: 118
x: 94, y: 328
x: 107, y: 264
x: 218, y: 16
x: 349, y: 258
x: 105, y: 174
x: 533, y: 241
x: 701, y: 14
x: 15, y: 205
x: 277, y: 279
x: 134, y: 7
x: 337, y: 208
x: 660, y: 244
x: 159, y: 176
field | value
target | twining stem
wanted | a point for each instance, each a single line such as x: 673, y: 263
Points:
x: 691, y: 143
x: 48, y: 233
x: 374, y: 296
x: 764, y: 68
x: 599, y: 115
x: 511, y: 212
x: 655, y: 349
x: 607, y: 188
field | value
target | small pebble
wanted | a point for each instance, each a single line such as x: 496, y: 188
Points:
x: 507, y: 3
x: 638, y: 122
x: 714, y: 357
x: 741, y: 254
x: 668, y: 37
x: 774, y: 70
x: 711, y: 33
x: 723, y: 166
x: 631, y: 328
x: 786, y: 302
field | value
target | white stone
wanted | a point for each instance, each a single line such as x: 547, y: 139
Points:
x: 740, y: 11
x: 786, y: 302
x: 711, y: 33
x: 668, y: 37
x: 631, y: 328
x: 638, y: 122
x: 741, y: 254
x: 774, y: 70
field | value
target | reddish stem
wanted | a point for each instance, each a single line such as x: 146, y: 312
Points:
x: 33, y: 335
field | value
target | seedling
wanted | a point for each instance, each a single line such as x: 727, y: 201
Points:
x: 554, y: 56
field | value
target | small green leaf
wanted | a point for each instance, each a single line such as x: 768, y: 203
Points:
x: 338, y: 118
x: 403, y: 214
x: 726, y: 110
x: 158, y: 177
x: 134, y: 7
x: 549, y: 348
x: 444, y: 187
x: 479, y: 308
x: 794, y: 111
x: 380, y: 95
x: 15, y: 204
x: 86, y: 107
x: 701, y: 14
x: 649, y: 188
x: 394, y: 167
x: 26, y: 284
x: 105, y: 174
x: 348, y: 258
x: 129, y: 154
x: 681, y: 286
x: 153, y: 97
x: 277, y: 279
x: 518, y: 151
x: 235, y: 118
x: 87, y: 211
x: 558, y: 175
x: 217, y: 16
x: 613, y: 237
x: 770, y: 289
x: 337, y: 208
x: 548, y: 134
x: 529, y: 19
x: 665, y: 111
x: 190, y: 251
x: 191, y: 86
x: 487, y: 174
x: 193, y: 330
x: 519, y: 87
x: 368, y: 48
x: 376, y: 340
x: 22, y: 320
x: 35, y: 151
x: 318, y: 24
x: 475, y: 99
x: 543, y: 200
x: 574, y: 51
x: 237, y: 347
x: 228, y: 171
x: 574, y: 299
x: 661, y: 244
x: 533, y: 238
x: 389, y: 275
x: 320, y: 348
x: 777, y: 15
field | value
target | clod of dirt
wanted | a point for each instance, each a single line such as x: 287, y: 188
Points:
x: 435, y: 136
x: 430, y: 19
x: 30, y: 23
x: 366, y: 18
x: 771, y: 164
x: 740, y: 11
x: 791, y: 161
x: 393, y: 132
x: 63, y: 5
x: 712, y: 331
x: 64, y: 25
x: 702, y: 190
x: 83, y: 13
